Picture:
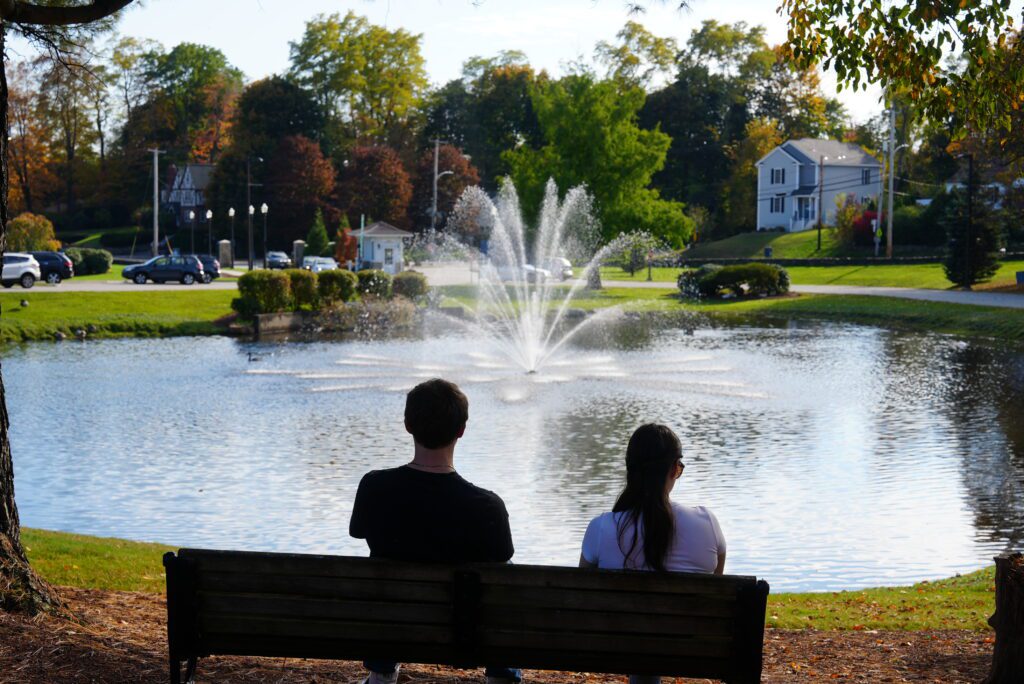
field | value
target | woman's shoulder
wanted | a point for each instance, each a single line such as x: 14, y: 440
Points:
x: 692, y: 512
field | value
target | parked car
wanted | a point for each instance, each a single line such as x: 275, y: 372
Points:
x: 278, y: 260
x: 318, y: 264
x: 20, y: 268
x: 54, y: 266
x: 184, y: 269
x: 211, y: 267
x: 559, y: 267
x: 528, y: 273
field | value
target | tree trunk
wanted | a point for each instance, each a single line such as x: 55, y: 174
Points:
x: 20, y: 588
x: 1008, y: 621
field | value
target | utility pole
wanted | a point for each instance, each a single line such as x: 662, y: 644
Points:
x: 892, y: 177
x: 970, y: 220
x: 156, y: 200
x: 821, y: 194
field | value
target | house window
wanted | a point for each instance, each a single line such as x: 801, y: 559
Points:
x: 778, y: 204
x: 778, y: 176
x: 865, y: 177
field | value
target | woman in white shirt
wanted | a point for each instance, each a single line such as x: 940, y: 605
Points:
x: 646, y: 530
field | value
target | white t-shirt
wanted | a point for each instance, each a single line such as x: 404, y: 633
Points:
x: 697, y: 544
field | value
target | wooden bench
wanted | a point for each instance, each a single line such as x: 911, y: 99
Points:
x: 537, y: 617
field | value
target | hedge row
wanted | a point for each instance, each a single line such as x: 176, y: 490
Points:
x: 294, y: 289
x: 90, y: 261
x: 712, y: 280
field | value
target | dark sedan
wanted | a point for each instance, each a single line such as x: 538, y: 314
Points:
x: 278, y: 260
x: 184, y: 269
x: 211, y: 267
x: 54, y: 266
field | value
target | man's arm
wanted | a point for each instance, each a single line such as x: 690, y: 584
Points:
x: 357, y: 526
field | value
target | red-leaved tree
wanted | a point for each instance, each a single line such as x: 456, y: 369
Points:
x: 376, y: 185
x: 449, y: 185
x: 300, y: 180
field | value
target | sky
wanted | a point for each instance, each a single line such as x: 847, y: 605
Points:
x: 254, y: 34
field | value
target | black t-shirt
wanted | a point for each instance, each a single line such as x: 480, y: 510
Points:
x: 408, y: 514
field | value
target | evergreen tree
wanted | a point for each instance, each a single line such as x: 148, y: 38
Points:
x: 973, y: 249
x: 316, y: 240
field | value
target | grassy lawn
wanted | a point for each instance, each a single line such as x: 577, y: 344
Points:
x: 113, y: 274
x: 929, y: 276
x: 92, y: 239
x: 802, y: 245
x: 958, y: 603
x: 115, y: 314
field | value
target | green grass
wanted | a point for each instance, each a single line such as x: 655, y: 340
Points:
x: 963, y: 602
x: 958, y: 603
x: 113, y: 274
x: 95, y: 562
x: 928, y: 276
x: 115, y: 314
x: 92, y: 239
x: 801, y: 245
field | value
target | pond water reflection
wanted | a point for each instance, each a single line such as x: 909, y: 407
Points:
x: 834, y: 456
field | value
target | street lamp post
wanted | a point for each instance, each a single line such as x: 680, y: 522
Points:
x: 231, y: 214
x: 209, y: 231
x: 192, y: 236
x: 252, y: 210
x: 433, y: 209
x: 263, y: 210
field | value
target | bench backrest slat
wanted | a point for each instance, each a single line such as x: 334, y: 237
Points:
x: 244, y: 603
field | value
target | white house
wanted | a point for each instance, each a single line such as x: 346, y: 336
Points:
x: 382, y: 246
x: 796, y: 176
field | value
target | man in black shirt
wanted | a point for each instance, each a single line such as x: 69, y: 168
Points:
x: 424, y: 510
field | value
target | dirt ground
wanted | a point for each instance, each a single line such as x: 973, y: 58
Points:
x: 121, y: 637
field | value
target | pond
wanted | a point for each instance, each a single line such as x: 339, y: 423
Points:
x: 834, y: 456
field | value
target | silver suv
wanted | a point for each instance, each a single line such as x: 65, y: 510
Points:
x: 20, y: 268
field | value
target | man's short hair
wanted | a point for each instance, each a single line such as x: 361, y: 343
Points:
x: 436, y: 412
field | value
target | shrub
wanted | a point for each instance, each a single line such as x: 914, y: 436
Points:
x: 689, y: 281
x: 316, y: 240
x: 374, y: 282
x: 90, y: 261
x: 754, y: 279
x: 972, y: 255
x: 303, y: 285
x: 337, y: 285
x: 265, y: 291
x: 410, y: 284
x: 31, y: 233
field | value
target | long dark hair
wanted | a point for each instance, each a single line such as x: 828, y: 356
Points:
x: 651, y: 457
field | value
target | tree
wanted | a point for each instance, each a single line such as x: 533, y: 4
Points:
x: 792, y: 95
x: 271, y: 109
x: 20, y: 588
x: 368, y: 78
x: 28, y: 151
x: 639, y: 56
x: 376, y: 186
x: 31, y: 233
x: 972, y: 255
x: 449, y: 187
x: 300, y: 181
x: 131, y: 64
x: 592, y: 138
x: 317, y: 243
x: 903, y: 47
x: 739, y: 196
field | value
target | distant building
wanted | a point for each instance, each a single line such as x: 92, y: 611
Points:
x: 188, y: 192
x: 794, y: 177
x: 382, y: 246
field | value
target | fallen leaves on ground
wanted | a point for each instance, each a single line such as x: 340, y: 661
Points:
x: 122, y: 637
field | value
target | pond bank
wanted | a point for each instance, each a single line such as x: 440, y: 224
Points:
x: 169, y: 314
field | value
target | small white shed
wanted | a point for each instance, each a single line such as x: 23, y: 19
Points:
x: 382, y: 246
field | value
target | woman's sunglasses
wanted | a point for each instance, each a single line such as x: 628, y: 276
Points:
x: 682, y: 467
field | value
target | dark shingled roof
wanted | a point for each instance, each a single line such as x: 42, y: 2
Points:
x: 804, y: 190
x: 810, y: 150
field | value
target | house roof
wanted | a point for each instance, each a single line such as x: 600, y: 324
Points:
x: 201, y: 174
x: 804, y: 190
x: 810, y: 150
x: 382, y: 230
